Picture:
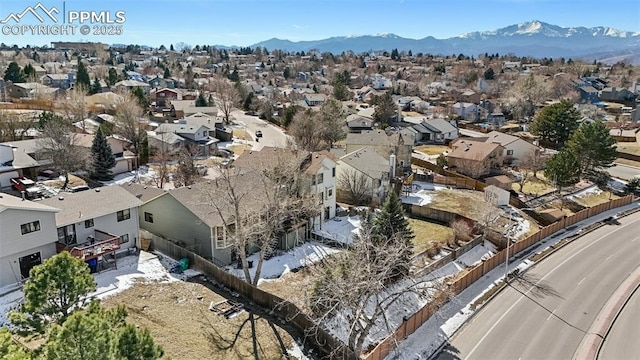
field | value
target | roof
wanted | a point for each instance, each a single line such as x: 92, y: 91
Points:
x: 167, y: 138
x: 472, y: 150
x: 367, y: 161
x: 178, y: 128
x: 266, y: 158
x: 8, y: 202
x: 131, y: 83
x: 317, y: 158
x: 201, y: 119
x: 143, y: 192
x: 199, y: 198
x: 377, y: 138
x: 315, y: 97
x: 503, y: 139
x: 500, y: 179
x: 91, y: 204
x: 441, y: 125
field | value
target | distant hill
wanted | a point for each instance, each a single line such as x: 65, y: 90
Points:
x: 534, y: 38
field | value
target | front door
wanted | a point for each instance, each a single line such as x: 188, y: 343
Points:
x: 28, y: 262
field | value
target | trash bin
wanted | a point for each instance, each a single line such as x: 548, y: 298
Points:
x: 184, y: 264
x: 93, y: 264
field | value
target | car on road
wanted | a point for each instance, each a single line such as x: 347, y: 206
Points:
x: 258, y: 133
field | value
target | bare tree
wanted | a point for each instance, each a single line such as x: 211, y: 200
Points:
x: 356, y: 185
x: 462, y: 230
x: 226, y: 95
x: 59, y: 145
x: 129, y: 123
x: 257, y: 207
x: 352, y: 298
x: 306, y: 130
x: 530, y: 164
x: 13, y: 127
x: 186, y: 173
x: 74, y: 105
x: 161, y: 159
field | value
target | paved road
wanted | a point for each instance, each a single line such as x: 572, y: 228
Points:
x: 271, y: 134
x: 624, y: 172
x: 619, y: 344
x: 575, y: 283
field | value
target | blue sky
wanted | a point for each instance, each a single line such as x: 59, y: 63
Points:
x: 245, y: 22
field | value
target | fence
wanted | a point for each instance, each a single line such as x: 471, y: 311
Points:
x: 319, y: 338
x: 412, y: 323
x: 628, y: 156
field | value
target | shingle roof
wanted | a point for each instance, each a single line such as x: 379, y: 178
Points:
x: 13, y: 202
x: 472, y: 150
x: 178, y: 128
x: 368, y: 161
x: 142, y: 192
x: 91, y: 204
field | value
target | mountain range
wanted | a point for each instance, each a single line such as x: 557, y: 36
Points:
x: 534, y: 38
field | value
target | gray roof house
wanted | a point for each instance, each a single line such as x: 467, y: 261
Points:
x: 363, y: 166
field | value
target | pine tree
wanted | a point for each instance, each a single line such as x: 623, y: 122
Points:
x: 102, y: 156
x: 82, y: 77
x: 391, y: 226
x: 53, y: 290
x: 95, y: 87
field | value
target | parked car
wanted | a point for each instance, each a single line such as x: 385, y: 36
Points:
x: 21, y: 184
x: 201, y: 169
x: 258, y: 133
x: 49, y: 174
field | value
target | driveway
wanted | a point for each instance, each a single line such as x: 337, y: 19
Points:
x: 271, y: 134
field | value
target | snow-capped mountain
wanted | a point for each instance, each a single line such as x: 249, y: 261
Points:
x: 533, y: 38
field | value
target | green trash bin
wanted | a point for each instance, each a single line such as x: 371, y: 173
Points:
x: 184, y: 264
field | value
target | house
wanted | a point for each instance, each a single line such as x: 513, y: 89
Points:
x: 28, y: 237
x: 467, y: 111
x: 366, y: 172
x: 125, y: 160
x: 439, y: 131
x: 163, y: 97
x: 30, y: 90
x: 589, y: 94
x: 61, y: 81
x: 384, y: 144
x: 379, y: 82
x: 314, y: 99
x: 129, y: 85
x: 320, y: 167
x: 516, y: 148
x: 18, y: 158
x: 496, y: 118
x: 500, y: 181
x: 617, y: 94
x: 469, y: 96
x: 96, y: 222
x: 198, y: 135
x: 358, y: 124
x: 475, y: 159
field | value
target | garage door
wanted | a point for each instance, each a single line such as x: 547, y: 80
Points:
x: 5, y: 178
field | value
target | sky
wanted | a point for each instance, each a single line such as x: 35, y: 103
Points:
x: 246, y: 22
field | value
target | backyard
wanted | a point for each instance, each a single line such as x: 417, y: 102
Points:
x: 432, y: 149
x: 425, y: 232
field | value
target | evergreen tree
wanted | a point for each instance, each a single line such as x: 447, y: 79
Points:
x: 341, y: 92
x: 390, y: 226
x: 14, y: 73
x: 95, y: 87
x: 29, y: 72
x: 52, y: 291
x: 82, y: 77
x: 167, y: 73
x: 593, y: 147
x: 563, y: 169
x: 134, y: 344
x: 385, y: 109
x: 489, y: 74
x: 201, y: 101
x: 9, y: 350
x: 555, y: 123
x: 102, y: 156
x: 113, y: 76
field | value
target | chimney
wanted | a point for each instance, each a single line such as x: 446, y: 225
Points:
x: 392, y: 165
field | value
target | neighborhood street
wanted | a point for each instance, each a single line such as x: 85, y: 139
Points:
x: 551, y: 320
x: 624, y: 172
x: 271, y: 134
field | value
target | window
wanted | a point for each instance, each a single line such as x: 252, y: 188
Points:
x: 123, y: 215
x: 124, y: 239
x: 329, y: 193
x: 313, y: 179
x: 88, y: 223
x: 148, y: 217
x: 333, y: 172
x: 30, y: 227
x: 320, y: 178
x: 509, y: 152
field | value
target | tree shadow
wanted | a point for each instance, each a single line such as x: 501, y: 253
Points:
x: 448, y: 352
x: 532, y: 283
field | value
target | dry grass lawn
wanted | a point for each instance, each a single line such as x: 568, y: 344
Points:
x: 426, y: 232
x: 629, y: 148
x: 73, y: 181
x: 239, y: 149
x: 628, y: 162
x: 469, y: 203
x: 432, y: 149
x: 534, y: 186
x: 595, y: 199
x: 241, y: 134
x: 294, y: 286
x: 177, y: 315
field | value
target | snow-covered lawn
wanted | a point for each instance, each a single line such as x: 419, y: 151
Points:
x: 300, y: 256
x: 340, y: 229
x: 421, y: 193
x: 592, y: 190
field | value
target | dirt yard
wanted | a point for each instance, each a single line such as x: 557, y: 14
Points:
x: 178, y: 316
x: 301, y: 280
x: 73, y: 182
x: 595, y: 199
x: 535, y: 186
x: 426, y: 232
x: 468, y: 203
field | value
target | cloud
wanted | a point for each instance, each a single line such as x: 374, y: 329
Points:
x: 299, y: 27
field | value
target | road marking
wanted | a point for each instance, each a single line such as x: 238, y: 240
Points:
x: 580, y: 282
x: 608, y: 257
x: 539, y: 281
x: 550, y: 315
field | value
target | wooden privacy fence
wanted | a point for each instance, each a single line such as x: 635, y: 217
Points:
x: 412, y: 323
x: 317, y: 336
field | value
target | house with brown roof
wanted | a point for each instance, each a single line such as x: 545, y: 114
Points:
x: 475, y: 159
x: 516, y: 148
x: 399, y: 144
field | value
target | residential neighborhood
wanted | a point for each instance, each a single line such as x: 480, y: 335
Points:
x: 357, y: 197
